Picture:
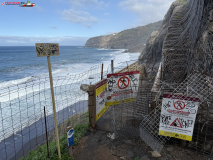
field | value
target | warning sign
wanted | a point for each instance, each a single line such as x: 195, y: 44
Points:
x: 101, y: 98
x: 47, y: 49
x: 123, y: 82
x: 176, y: 123
x: 178, y: 114
x: 122, y: 87
x: 179, y: 105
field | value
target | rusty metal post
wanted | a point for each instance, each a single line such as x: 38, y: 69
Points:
x: 102, y: 71
x: 112, y: 66
x: 92, y: 106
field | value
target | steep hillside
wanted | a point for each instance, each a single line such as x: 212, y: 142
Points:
x: 133, y: 39
x: 184, y: 42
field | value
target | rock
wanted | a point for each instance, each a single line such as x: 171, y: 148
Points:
x: 169, y: 156
x: 127, y: 39
x: 145, y: 157
x: 128, y: 141
x: 84, y: 87
x: 207, y: 147
x: 120, y: 153
x: 211, y: 15
x: 130, y: 154
x: 123, y: 157
x: 132, y: 143
x: 170, y: 149
x: 155, y: 154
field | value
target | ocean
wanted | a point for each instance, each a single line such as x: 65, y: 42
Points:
x: 19, y: 66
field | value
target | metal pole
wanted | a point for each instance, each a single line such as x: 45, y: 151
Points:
x: 112, y: 69
x: 102, y: 71
x: 48, y: 155
x: 53, y: 103
x: 112, y: 66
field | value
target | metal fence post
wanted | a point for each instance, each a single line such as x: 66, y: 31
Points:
x: 112, y: 66
x: 102, y: 70
x: 114, y: 123
x: 48, y: 155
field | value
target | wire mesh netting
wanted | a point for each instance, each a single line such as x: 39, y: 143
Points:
x: 22, y: 123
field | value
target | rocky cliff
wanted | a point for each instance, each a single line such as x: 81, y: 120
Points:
x: 184, y: 42
x: 133, y: 39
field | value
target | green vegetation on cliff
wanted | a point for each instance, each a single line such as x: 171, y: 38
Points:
x: 126, y: 39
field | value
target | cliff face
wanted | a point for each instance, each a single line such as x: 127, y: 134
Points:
x: 133, y: 39
x: 184, y: 42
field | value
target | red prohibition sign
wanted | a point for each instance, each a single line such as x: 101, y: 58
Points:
x: 123, y: 81
x: 179, y: 105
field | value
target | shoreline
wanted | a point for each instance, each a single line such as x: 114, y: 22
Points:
x: 18, y: 145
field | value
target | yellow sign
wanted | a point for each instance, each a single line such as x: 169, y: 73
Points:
x: 101, y: 89
x: 47, y: 49
x: 175, y: 135
x: 100, y: 98
x: 101, y: 112
x: 121, y: 101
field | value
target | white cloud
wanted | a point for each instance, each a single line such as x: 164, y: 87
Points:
x: 80, y: 17
x: 30, y: 41
x: 53, y: 27
x: 147, y: 10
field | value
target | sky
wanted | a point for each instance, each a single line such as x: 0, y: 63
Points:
x: 73, y: 22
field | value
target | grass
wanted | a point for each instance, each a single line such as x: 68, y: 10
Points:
x: 169, y: 35
x: 179, y: 16
x: 41, y: 152
x: 182, y: 2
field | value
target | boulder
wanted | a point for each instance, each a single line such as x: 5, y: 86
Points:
x: 84, y: 87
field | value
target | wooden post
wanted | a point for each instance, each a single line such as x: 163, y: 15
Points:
x: 53, y: 103
x: 92, y: 106
x: 102, y: 71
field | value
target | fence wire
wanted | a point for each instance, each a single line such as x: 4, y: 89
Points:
x: 22, y: 124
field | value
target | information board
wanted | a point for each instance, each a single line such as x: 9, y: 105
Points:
x: 47, y: 49
x: 178, y: 114
x: 122, y: 87
x: 101, y: 98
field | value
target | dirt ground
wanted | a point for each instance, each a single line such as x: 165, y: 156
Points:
x: 97, y: 146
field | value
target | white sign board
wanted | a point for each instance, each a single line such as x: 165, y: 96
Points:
x: 178, y: 114
x: 122, y: 87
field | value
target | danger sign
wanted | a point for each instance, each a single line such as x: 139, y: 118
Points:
x: 123, y: 82
x: 179, y: 105
x: 176, y: 123
x: 178, y: 114
x: 122, y: 87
